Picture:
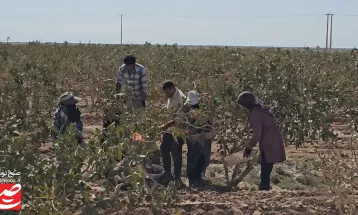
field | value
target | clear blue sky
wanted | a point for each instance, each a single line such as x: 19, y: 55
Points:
x: 186, y: 22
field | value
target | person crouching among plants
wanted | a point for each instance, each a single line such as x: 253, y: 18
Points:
x: 266, y: 133
x: 66, y: 114
x: 200, y: 135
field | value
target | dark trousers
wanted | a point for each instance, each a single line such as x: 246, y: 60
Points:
x: 207, y: 153
x: 138, y: 103
x: 195, y: 174
x: 172, y: 148
x: 197, y: 157
x: 266, y: 169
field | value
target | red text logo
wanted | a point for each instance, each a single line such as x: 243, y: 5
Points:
x: 10, y: 196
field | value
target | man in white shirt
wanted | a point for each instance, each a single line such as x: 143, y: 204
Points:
x: 172, y: 147
x: 134, y: 77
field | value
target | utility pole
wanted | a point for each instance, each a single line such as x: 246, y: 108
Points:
x: 327, y: 31
x: 121, y: 29
x: 329, y: 28
x: 330, y: 40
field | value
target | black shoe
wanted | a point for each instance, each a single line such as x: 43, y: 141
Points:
x: 195, y: 184
x: 198, y: 183
x: 204, y: 182
x: 264, y: 188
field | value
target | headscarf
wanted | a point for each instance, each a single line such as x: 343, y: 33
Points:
x: 69, y: 99
x: 250, y: 101
x: 193, y: 97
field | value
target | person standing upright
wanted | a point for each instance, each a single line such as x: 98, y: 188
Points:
x: 199, y: 148
x: 134, y: 77
x: 172, y: 147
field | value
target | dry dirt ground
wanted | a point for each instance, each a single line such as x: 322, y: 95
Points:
x: 293, y: 192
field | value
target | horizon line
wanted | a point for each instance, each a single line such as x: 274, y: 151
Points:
x: 174, y: 44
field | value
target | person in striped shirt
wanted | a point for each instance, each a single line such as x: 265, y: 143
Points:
x: 134, y: 77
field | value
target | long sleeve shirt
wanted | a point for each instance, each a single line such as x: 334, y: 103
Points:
x: 175, y: 104
x: 267, y: 135
x: 136, y: 80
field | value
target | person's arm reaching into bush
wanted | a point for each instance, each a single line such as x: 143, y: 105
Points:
x: 256, y: 125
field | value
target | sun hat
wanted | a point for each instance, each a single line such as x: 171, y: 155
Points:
x: 193, y: 97
x: 69, y: 99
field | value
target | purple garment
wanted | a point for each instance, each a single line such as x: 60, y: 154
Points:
x: 267, y: 134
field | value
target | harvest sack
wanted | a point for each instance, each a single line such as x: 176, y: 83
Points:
x: 238, y: 158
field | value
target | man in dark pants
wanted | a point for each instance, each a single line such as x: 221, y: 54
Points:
x: 171, y: 147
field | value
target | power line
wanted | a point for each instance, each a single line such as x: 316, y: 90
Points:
x: 348, y: 15
x: 237, y: 17
x: 222, y: 17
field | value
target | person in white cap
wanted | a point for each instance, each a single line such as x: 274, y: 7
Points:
x: 68, y: 113
x: 199, y: 149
